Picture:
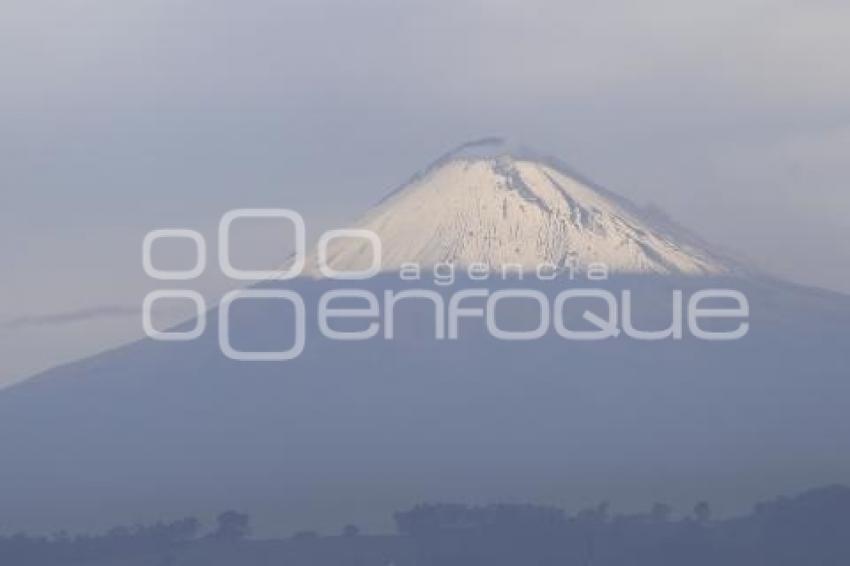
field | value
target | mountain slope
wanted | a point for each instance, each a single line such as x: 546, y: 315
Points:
x: 352, y: 431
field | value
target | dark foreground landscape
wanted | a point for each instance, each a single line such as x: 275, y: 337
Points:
x: 811, y: 529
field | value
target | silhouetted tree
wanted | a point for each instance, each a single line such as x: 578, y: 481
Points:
x: 702, y: 512
x: 351, y: 530
x: 232, y: 526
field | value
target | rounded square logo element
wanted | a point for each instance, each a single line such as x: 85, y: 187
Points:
x: 330, y: 235
x: 174, y: 336
x: 299, y: 244
x: 263, y: 356
x: 174, y: 274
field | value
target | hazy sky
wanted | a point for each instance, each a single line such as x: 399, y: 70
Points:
x: 119, y: 117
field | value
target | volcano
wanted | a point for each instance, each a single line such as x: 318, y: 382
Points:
x: 351, y: 431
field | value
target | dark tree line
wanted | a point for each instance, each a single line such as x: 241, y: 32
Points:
x: 812, y: 529
x: 162, y: 539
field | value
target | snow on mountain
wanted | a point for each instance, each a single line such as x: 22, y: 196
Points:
x: 490, y: 203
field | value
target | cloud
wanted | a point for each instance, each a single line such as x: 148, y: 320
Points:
x: 71, y: 317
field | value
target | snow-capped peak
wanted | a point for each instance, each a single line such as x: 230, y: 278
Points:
x: 495, y: 203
